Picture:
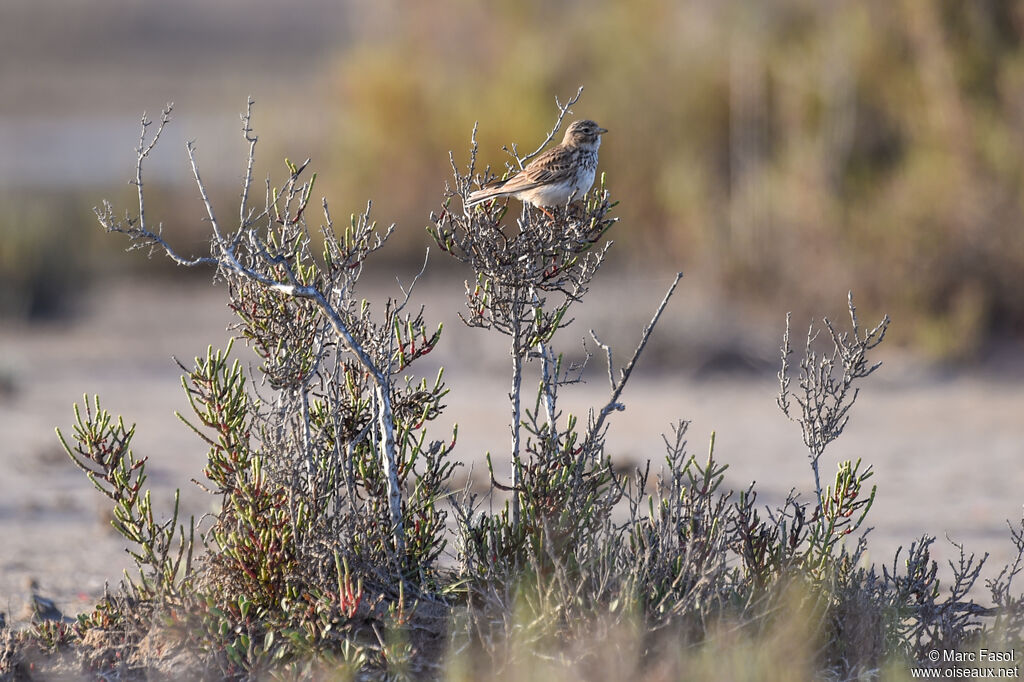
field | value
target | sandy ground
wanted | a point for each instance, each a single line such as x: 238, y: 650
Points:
x: 947, y: 449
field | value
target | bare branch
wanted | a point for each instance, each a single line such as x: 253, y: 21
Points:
x: 142, y: 151
x: 407, y: 293
x: 826, y: 383
x: 563, y: 109
x: 619, y: 385
x: 249, y: 136
x: 608, y: 359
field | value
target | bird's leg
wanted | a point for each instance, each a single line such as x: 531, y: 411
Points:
x: 547, y: 213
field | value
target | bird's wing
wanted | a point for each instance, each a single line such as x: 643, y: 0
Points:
x: 553, y: 166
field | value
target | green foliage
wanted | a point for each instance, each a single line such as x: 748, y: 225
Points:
x: 42, y: 262
x: 254, y: 535
x: 843, y: 510
x: 52, y: 635
x: 102, y: 450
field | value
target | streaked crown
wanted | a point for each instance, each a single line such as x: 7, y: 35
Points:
x: 584, y: 133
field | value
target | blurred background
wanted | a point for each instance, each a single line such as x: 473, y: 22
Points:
x: 781, y: 153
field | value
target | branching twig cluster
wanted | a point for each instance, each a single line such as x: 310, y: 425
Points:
x: 319, y: 346
x: 826, y: 382
x: 526, y: 277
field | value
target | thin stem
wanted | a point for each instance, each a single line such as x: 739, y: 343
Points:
x: 619, y: 385
x: 386, y: 424
x: 516, y: 396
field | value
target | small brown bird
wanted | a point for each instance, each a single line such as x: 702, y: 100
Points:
x: 561, y: 174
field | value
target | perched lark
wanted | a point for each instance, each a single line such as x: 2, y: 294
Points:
x: 556, y: 177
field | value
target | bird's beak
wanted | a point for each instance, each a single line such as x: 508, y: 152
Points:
x: 602, y: 131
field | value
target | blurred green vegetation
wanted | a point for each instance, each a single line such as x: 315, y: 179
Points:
x: 787, y: 150
x: 52, y: 248
x: 38, y: 255
x: 791, y: 149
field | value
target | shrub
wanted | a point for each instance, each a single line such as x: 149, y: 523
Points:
x: 323, y: 559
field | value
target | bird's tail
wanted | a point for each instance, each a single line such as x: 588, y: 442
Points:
x: 492, y: 191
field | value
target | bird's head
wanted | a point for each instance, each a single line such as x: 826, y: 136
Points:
x: 584, y: 133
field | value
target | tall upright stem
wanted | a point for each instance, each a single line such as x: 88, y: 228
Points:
x: 549, y: 383
x: 517, y: 380
x: 385, y: 422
